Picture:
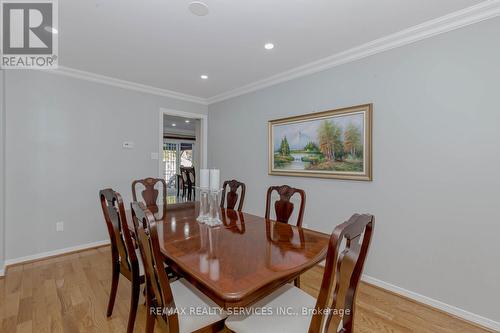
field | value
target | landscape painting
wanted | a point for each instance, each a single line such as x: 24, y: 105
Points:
x: 330, y: 144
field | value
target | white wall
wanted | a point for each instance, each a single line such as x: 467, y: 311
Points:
x: 64, y: 144
x: 2, y: 170
x: 436, y: 152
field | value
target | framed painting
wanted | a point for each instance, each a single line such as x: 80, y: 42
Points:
x: 329, y: 144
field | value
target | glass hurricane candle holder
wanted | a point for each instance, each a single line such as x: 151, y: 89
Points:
x: 204, y: 213
x: 213, y: 212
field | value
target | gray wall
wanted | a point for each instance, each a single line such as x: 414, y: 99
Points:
x: 436, y: 153
x: 64, y: 143
x: 2, y: 169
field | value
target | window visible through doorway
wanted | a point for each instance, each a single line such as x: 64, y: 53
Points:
x: 175, y: 155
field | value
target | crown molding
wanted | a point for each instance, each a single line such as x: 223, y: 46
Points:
x: 456, y: 20
x: 88, y: 76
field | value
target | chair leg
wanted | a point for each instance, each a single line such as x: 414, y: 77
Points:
x: 150, y: 318
x: 134, y: 301
x: 114, y: 288
x: 296, y: 282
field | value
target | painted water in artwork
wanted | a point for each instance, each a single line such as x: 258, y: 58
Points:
x: 328, y: 144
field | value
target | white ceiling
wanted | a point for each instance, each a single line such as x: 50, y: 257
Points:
x: 180, y: 124
x: 160, y: 43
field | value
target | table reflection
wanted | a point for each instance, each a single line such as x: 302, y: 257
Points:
x: 209, y: 251
x: 233, y: 220
x: 284, y: 241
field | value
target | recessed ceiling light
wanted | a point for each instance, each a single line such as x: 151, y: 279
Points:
x: 174, y: 124
x: 51, y: 29
x: 269, y: 46
x: 204, y: 77
x: 198, y: 8
x: 186, y: 121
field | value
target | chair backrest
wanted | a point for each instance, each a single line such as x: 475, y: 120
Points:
x: 342, y: 275
x: 232, y: 195
x: 122, y: 246
x: 184, y: 175
x: 283, y: 207
x: 159, y: 292
x: 191, y: 175
x: 150, y: 193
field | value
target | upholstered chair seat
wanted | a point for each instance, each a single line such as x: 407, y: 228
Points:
x: 288, y: 299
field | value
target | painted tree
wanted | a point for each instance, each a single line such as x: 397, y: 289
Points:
x: 330, y: 140
x: 311, y: 146
x: 338, y: 144
x: 284, y: 147
x: 325, y: 139
x: 352, y: 142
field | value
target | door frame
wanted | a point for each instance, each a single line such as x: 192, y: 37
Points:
x: 203, y: 140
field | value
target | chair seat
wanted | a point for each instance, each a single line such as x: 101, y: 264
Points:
x: 187, y: 297
x: 289, y: 300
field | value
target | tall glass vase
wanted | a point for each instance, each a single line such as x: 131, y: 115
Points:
x: 204, y: 214
x: 214, y: 208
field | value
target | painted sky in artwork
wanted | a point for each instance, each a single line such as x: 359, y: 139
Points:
x: 299, y: 134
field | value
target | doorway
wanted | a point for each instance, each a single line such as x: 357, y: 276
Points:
x: 182, y: 145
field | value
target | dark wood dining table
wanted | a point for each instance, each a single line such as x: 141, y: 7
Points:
x: 240, y: 261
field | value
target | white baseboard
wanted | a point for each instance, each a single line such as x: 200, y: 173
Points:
x: 53, y: 253
x: 452, y: 310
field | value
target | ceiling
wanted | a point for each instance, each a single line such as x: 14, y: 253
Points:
x: 161, y: 44
x: 180, y: 125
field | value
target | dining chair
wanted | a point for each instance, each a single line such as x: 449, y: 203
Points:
x: 150, y: 193
x: 180, y: 183
x: 284, y: 207
x: 340, y: 281
x: 173, y: 299
x: 188, y: 181
x: 232, y: 195
x: 191, y: 183
x: 124, y: 256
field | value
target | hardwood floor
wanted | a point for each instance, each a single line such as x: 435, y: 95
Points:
x: 70, y: 294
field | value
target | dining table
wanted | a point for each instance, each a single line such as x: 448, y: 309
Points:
x: 242, y: 260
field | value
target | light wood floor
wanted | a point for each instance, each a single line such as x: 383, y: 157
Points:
x: 70, y: 294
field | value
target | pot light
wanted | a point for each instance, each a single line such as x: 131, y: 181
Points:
x: 174, y: 124
x: 198, y: 8
x: 204, y: 77
x: 269, y: 46
x: 186, y: 121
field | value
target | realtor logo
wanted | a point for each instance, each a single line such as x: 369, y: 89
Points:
x: 29, y: 34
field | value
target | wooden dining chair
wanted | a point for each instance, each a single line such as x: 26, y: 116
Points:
x: 170, y: 297
x: 284, y: 207
x: 150, y: 193
x: 191, y: 183
x: 124, y: 256
x: 188, y: 178
x: 340, y: 281
x: 229, y: 199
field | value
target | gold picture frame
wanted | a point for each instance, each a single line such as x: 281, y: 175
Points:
x: 330, y: 144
